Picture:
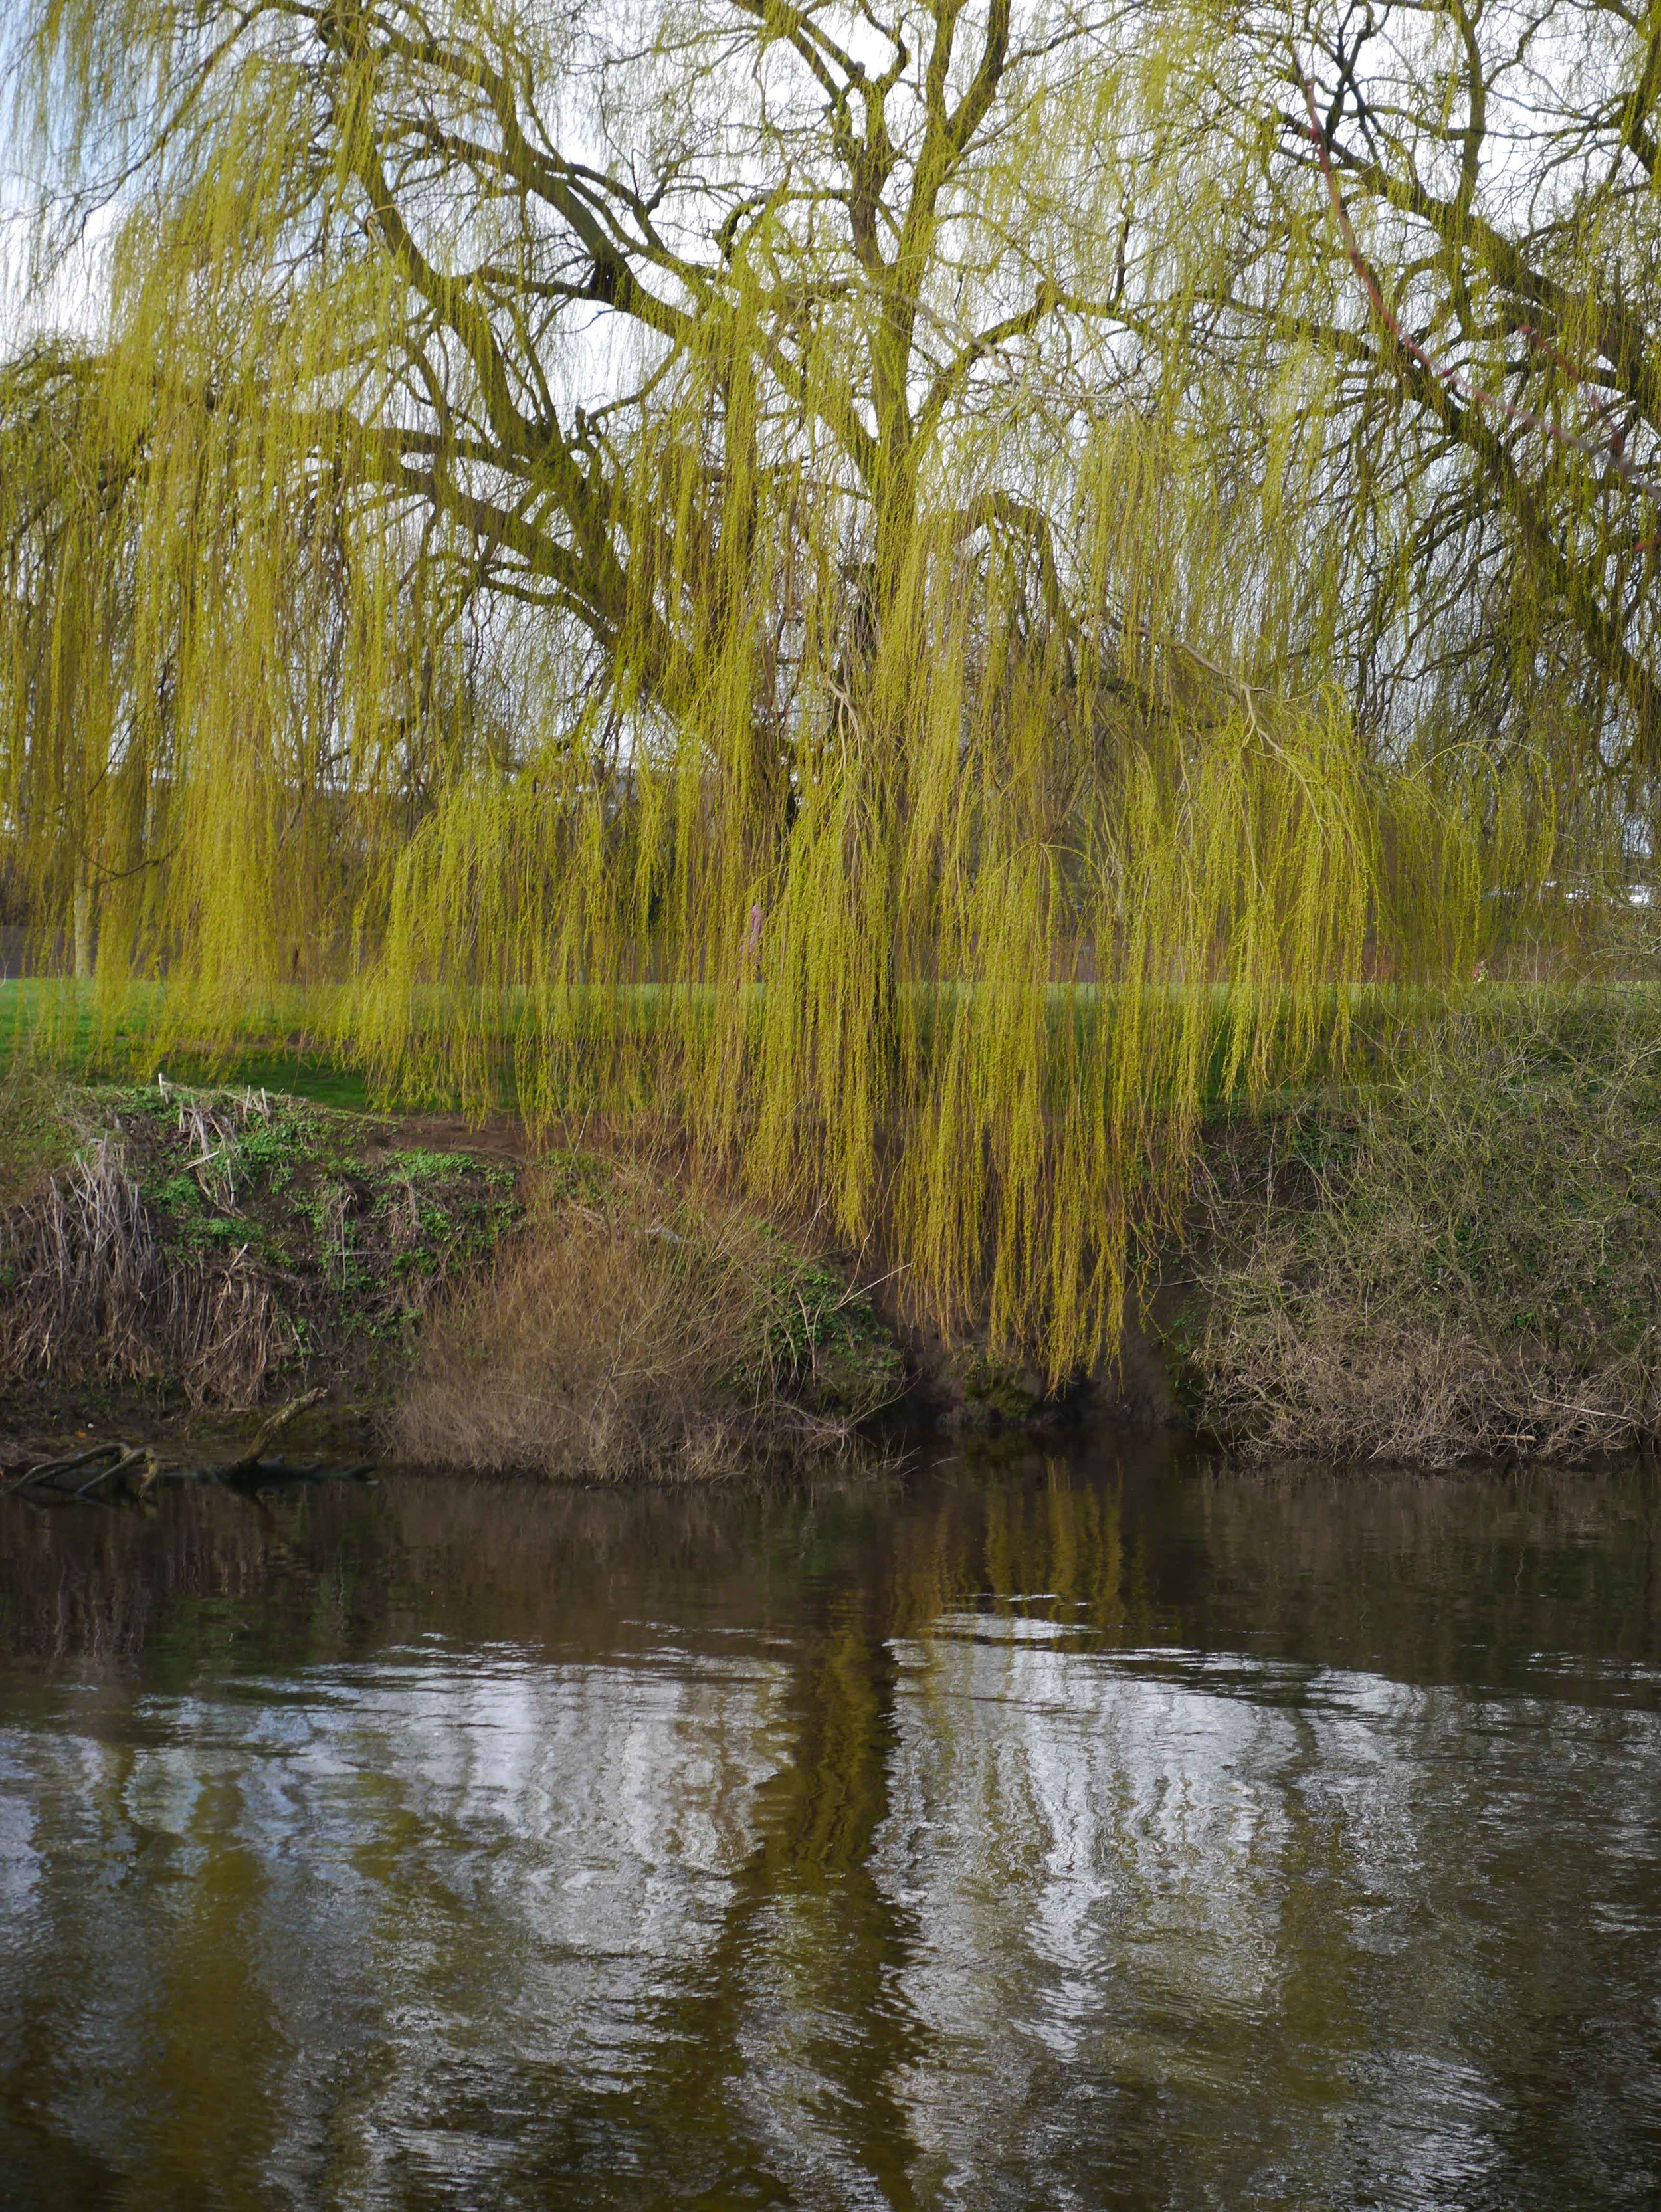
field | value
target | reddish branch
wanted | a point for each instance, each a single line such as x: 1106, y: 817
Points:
x: 1611, y: 453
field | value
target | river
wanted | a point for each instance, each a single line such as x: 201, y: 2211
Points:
x: 1112, y: 1830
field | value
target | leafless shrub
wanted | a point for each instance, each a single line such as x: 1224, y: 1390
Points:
x: 1463, y: 1261
x: 627, y: 1331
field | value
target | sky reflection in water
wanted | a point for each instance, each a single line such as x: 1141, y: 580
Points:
x: 1110, y: 1833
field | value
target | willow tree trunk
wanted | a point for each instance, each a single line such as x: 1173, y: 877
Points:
x: 85, y: 924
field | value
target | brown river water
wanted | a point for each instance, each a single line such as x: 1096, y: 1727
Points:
x: 1111, y: 1831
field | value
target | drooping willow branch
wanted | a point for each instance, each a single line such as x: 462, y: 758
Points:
x: 491, y: 578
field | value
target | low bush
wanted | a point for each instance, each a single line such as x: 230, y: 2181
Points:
x: 1461, y: 1260
x: 633, y: 1327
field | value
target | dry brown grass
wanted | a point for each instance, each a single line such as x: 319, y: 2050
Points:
x: 1465, y: 1261
x: 90, y: 1287
x: 212, y: 1241
x: 635, y: 1330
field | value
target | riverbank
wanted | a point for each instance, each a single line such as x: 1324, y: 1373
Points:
x: 173, y: 1258
x: 1455, y: 1256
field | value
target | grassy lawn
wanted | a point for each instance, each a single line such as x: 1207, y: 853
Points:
x: 50, y: 1024
x: 54, y: 1024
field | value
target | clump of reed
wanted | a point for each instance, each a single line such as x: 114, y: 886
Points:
x: 633, y: 1328
x: 90, y: 1287
x: 1460, y: 1259
x: 212, y: 1241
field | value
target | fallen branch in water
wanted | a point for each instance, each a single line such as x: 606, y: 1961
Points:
x: 43, y: 1483
x: 273, y: 1427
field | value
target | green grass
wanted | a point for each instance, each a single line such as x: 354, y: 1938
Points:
x: 55, y: 1026
x: 57, y: 1023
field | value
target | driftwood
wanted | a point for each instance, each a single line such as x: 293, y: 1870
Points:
x: 117, y: 1458
x: 273, y: 1427
x: 120, y: 1472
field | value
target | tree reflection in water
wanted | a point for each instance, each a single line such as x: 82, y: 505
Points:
x: 1119, y: 1833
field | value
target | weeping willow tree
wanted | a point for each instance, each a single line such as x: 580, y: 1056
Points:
x: 780, y: 565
